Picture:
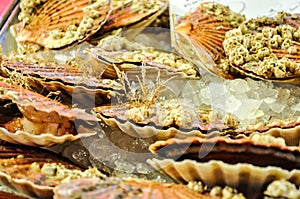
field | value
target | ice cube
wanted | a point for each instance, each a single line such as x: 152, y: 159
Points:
x: 277, y: 107
x: 296, y: 107
x: 232, y: 104
x: 249, y: 106
x: 238, y: 86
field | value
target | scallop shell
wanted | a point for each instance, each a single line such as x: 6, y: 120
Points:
x: 199, y: 36
x: 132, y: 62
x: 42, y: 114
x: 148, y: 131
x: 133, y: 14
x: 72, y: 83
x: 4, y: 194
x: 55, y: 24
x: 229, y: 151
x: 124, y: 188
x: 15, y: 161
x: 115, y: 116
x: 45, y: 139
x: 246, y: 178
x: 289, y: 132
x: 276, y: 37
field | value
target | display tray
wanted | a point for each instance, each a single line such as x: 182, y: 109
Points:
x: 233, y: 108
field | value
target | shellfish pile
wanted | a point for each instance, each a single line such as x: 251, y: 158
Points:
x: 90, y: 109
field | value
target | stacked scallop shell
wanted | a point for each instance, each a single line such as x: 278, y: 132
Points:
x: 35, y: 172
x: 133, y: 89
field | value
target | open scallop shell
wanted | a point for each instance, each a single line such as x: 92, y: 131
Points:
x: 133, y: 14
x: 265, y: 48
x: 149, y: 131
x: 17, y: 170
x: 44, y: 140
x: 199, y: 35
x: 290, y: 135
x: 41, y: 121
x: 117, y: 116
x: 72, y: 83
x: 55, y: 24
x: 132, y: 61
x: 229, y: 151
x: 128, y: 188
x: 246, y: 178
x: 288, y: 131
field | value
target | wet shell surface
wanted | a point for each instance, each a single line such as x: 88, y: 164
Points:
x: 243, y: 150
x: 123, y: 188
x: 19, y: 169
x: 55, y: 24
x: 150, y: 59
x: 161, y: 121
x: 39, y: 121
x: 73, y: 84
x: 199, y: 35
x: 133, y: 14
x: 249, y: 179
x: 265, y: 48
x: 288, y: 131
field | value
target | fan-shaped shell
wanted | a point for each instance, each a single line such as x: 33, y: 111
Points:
x: 150, y: 59
x: 127, y: 117
x: 199, y: 35
x: 229, y: 151
x: 246, y: 178
x: 133, y: 14
x: 124, y: 188
x: 73, y: 84
x: 21, y: 169
x: 55, y: 24
x: 41, y: 121
x: 288, y: 131
x: 265, y: 48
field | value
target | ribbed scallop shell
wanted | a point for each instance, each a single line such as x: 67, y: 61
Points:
x: 229, y: 151
x: 277, y: 37
x: 246, y: 178
x: 132, y: 62
x: 56, y: 24
x: 15, y: 161
x: 199, y: 35
x: 123, y: 188
x: 149, y: 131
x: 73, y: 84
x: 290, y: 132
x: 133, y: 14
x: 115, y: 117
x: 36, y: 112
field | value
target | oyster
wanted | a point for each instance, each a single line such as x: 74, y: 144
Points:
x: 35, y: 172
x: 198, y: 36
x: 39, y: 121
x: 123, y: 188
x: 73, y: 85
x: 161, y: 120
x: 56, y: 24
